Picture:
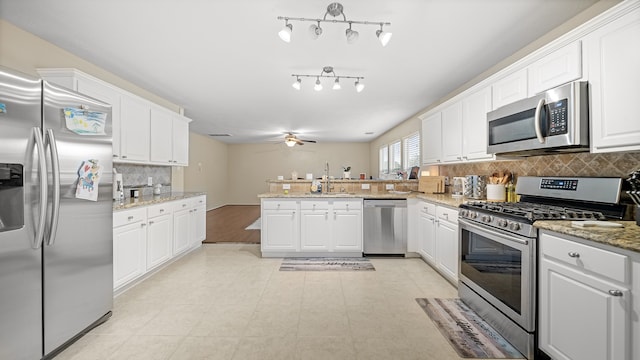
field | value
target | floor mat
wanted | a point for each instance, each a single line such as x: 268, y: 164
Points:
x: 469, y: 335
x: 326, y: 264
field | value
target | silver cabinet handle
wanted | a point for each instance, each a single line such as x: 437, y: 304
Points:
x: 184, y: 205
x: 115, y: 156
x: 143, y: 225
x: 161, y: 210
x: 50, y: 141
x: 42, y: 169
x: 615, y: 292
x: 151, y: 223
x: 124, y: 156
x: 573, y: 254
x: 130, y: 218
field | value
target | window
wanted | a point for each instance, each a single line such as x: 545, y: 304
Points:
x: 383, y: 160
x: 411, y: 155
x: 400, y: 155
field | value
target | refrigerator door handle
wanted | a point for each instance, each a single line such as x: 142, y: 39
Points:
x: 42, y: 170
x: 55, y: 169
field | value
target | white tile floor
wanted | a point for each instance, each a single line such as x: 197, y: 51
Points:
x: 225, y: 302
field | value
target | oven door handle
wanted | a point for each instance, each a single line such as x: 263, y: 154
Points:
x: 506, y: 237
x: 537, y: 121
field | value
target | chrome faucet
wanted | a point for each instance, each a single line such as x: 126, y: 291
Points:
x: 326, y: 172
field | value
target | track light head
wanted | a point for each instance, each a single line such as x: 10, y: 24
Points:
x: 315, y: 31
x: 383, y: 36
x: 296, y: 85
x: 318, y: 85
x: 352, y: 35
x: 359, y: 86
x: 336, y: 84
x: 285, y: 33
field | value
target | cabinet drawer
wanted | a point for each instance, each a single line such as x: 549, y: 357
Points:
x: 160, y: 209
x: 427, y: 208
x: 602, y: 262
x: 182, y: 204
x: 447, y: 214
x: 347, y: 205
x: 200, y: 200
x: 314, y: 205
x: 279, y: 205
x: 125, y: 217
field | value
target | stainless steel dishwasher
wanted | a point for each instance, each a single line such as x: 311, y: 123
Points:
x: 385, y: 227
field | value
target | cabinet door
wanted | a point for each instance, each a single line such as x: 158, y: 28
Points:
x: 110, y: 96
x: 161, y: 136
x: 346, y: 230
x: 159, y: 240
x: 181, y: 231
x: 452, y: 133
x: 432, y: 139
x: 315, y: 233
x: 180, y: 141
x: 509, y: 89
x: 129, y: 253
x: 447, y: 249
x: 427, y: 235
x: 279, y: 230
x: 559, y: 67
x: 134, y: 128
x: 573, y: 303
x: 613, y: 78
x: 200, y: 214
x: 474, y: 125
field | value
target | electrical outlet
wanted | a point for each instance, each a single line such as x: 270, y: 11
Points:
x: 366, y: 186
x: 149, y: 181
x: 286, y: 186
x: 389, y: 186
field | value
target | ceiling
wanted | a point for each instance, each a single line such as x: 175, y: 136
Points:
x: 223, y: 62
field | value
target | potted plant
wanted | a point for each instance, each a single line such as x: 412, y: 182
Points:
x: 346, y: 172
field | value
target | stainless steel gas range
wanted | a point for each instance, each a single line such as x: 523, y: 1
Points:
x: 498, y: 247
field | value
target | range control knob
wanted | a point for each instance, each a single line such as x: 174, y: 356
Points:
x: 473, y: 214
x: 514, y: 226
x: 487, y: 218
x: 502, y: 223
x: 464, y: 213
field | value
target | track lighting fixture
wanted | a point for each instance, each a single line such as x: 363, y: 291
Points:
x: 334, y: 9
x: 327, y: 72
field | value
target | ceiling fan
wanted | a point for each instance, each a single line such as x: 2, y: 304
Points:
x: 291, y: 140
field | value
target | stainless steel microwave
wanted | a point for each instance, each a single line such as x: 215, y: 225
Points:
x: 552, y: 122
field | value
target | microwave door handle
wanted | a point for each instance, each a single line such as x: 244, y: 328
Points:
x: 537, y: 120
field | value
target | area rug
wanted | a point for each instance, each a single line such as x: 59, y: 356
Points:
x: 326, y: 264
x: 256, y: 225
x: 469, y: 335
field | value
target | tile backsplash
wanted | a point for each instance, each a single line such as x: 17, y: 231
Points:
x: 135, y: 177
x: 580, y: 164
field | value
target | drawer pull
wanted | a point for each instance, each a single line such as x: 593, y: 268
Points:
x: 161, y: 210
x: 143, y: 225
x: 615, y: 292
x: 130, y: 218
x: 184, y: 205
x: 151, y: 223
x: 573, y: 254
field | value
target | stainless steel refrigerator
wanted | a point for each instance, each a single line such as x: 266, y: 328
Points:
x: 56, y: 244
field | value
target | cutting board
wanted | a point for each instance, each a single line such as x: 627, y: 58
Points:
x: 431, y: 184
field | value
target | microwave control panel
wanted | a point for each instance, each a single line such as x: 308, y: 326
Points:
x: 558, y: 118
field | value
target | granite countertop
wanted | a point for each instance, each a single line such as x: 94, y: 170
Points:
x: 442, y: 199
x: 627, y: 237
x: 146, y: 200
x: 385, y: 195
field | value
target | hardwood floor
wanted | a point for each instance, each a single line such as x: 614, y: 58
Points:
x: 228, y: 223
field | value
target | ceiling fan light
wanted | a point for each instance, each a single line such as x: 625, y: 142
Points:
x: 285, y: 33
x: 352, y: 36
x: 297, y: 84
x: 336, y: 84
x: 315, y: 31
x: 290, y: 142
x: 383, y: 36
x: 318, y: 86
x: 359, y: 86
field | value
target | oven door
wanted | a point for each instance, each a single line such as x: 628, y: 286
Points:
x: 500, y: 267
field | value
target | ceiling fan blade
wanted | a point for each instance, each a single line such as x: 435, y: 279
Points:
x: 309, y: 141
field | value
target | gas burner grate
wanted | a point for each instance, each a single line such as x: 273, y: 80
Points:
x: 535, y: 211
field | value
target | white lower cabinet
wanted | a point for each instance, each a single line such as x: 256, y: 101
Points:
x: 129, y: 246
x: 181, y: 226
x: 293, y: 227
x: 437, y: 232
x: 159, y: 235
x: 585, y: 301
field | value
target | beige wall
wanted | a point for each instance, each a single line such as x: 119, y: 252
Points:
x: 207, y: 170
x: 250, y: 165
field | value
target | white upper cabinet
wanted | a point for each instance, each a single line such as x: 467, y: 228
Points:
x: 613, y: 53
x: 509, y: 89
x: 474, y: 125
x: 135, y: 128
x: 432, y: 139
x: 161, y: 136
x: 180, y: 140
x: 560, y: 67
x: 452, y: 133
